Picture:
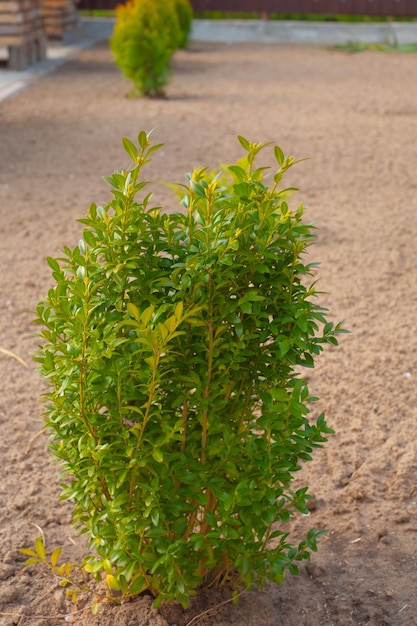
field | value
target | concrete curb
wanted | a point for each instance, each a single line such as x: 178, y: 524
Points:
x: 301, y: 32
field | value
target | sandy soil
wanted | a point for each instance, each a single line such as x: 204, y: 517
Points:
x: 355, y: 116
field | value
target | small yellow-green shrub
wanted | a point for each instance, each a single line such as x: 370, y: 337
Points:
x: 146, y: 34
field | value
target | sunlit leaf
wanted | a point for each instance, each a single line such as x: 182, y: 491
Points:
x: 112, y: 582
x: 94, y: 608
x: 40, y: 548
x: 55, y: 556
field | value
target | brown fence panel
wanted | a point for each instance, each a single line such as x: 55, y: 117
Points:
x: 403, y: 8
x: 394, y: 8
x: 93, y: 5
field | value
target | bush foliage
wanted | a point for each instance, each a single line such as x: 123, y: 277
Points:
x: 146, y: 34
x: 185, y: 18
x: 173, y: 344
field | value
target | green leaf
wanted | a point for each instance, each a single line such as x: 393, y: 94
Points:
x: 129, y: 571
x: 89, y: 238
x: 53, y: 264
x: 157, y: 455
x: 133, y: 311
x: 244, y: 142
x: 211, y: 519
x: 143, y: 139
x: 147, y: 315
x: 279, y: 156
x: 130, y: 148
x: 246, y: 307
x: 227, y: 500
x: 138, y: 585
x: 32, y: 560
x: 179, y: 307
x: 81, y: 272
x: 154, y: 148
x: 238, y: 171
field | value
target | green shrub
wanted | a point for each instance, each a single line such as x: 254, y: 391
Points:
x: 185, y: 19
x: 145, y: 36
x: 173, y: 345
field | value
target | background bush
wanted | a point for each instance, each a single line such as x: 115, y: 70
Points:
x: 185, y: 19
x: 173, y: 345
x: 146, y: 34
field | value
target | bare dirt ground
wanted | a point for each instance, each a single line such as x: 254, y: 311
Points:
x: 355, y: 116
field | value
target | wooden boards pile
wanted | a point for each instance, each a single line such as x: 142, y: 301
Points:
x: 60, y: 19
x: 22, y: 33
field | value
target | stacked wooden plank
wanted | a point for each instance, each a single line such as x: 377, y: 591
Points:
x: 61, y: 19
x: 21, y: 32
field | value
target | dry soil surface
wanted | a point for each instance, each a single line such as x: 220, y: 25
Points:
x: 355, y: 117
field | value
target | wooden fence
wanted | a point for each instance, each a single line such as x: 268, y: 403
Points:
x: 381, y: 8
